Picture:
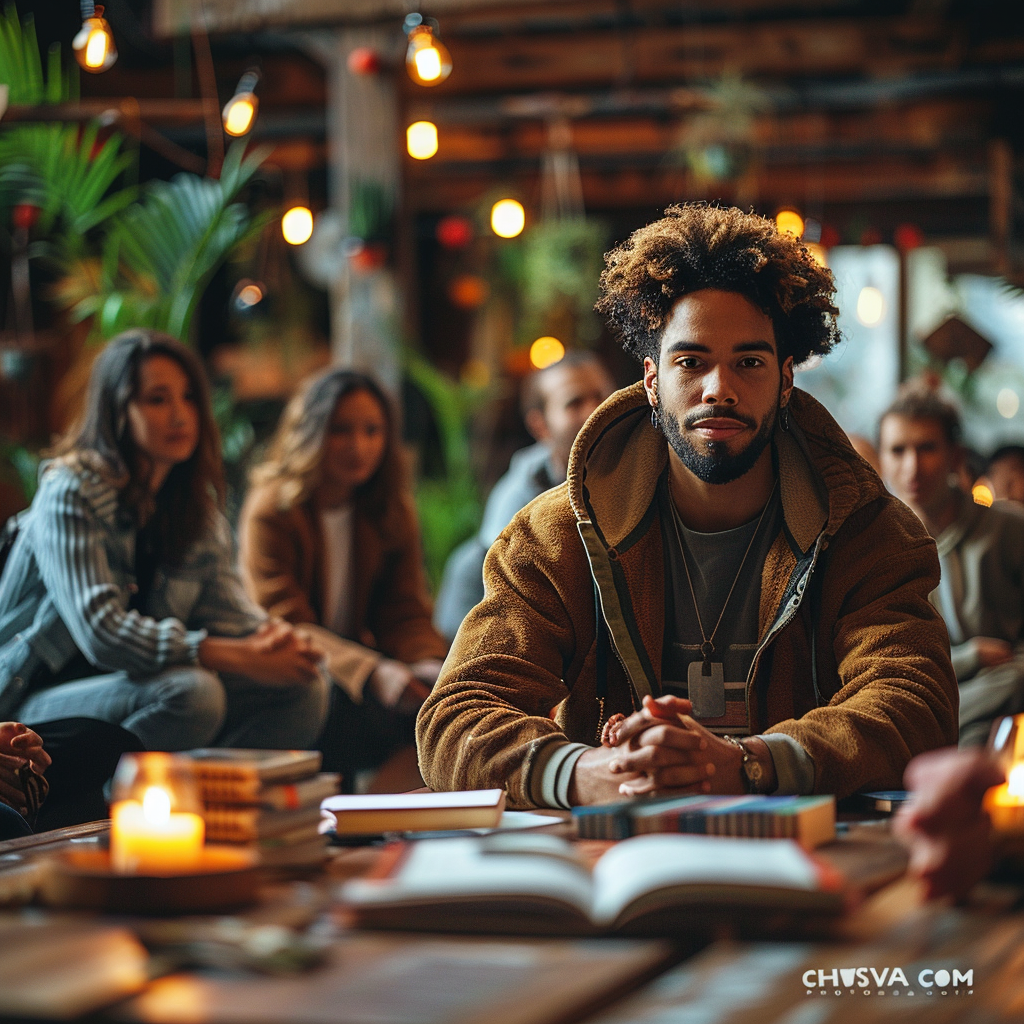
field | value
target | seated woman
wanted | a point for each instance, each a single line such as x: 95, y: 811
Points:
x: 328, y: 536
x: 120, y: 600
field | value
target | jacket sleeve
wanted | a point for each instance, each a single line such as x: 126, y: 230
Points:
x: 224, y: 608
x: 488, y: 723
x: 268, y: 556
x: 400, y: 608
x: 897, y: 693
x: 69, y: 541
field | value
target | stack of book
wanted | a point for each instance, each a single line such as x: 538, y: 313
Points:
x: 266, y: 799
x: 810, y: 820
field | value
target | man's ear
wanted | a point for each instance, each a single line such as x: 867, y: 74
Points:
x: 787, y: 380
x: 537, y: 425
x: 651, y: 381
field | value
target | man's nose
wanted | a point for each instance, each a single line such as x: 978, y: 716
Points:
x: 718, y: 388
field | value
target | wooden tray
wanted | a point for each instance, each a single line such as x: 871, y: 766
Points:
x: 227, y: 878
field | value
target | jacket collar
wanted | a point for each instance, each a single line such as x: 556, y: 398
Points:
x: 618, y: 458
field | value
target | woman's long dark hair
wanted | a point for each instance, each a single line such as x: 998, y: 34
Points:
x: 183, y: 511
x: 294, y: 462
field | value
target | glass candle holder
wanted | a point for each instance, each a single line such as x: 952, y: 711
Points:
x: 1005, y: 803
x: 157, y: 826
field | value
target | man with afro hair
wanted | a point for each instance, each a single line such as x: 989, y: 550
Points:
x: 722, y: 597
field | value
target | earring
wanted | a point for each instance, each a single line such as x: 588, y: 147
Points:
x: 784, y: 417
x: 655, y: 418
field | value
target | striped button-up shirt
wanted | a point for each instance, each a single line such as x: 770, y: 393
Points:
x: 69, y: 578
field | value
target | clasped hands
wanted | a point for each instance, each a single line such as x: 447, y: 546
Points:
x: 276, y: 653
x: 658, y: 750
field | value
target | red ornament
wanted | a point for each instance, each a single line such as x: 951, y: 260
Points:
x: 24, y: 216
x: 907, y: 237
x: 364, y: 60
x: 829, y: 236
x: 454, y: 232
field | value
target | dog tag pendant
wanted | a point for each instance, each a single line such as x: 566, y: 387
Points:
x: 706, y: 692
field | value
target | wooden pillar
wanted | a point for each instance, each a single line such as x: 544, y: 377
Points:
x: 363, y: 135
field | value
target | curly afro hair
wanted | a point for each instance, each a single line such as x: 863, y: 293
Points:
x: 697, y: 246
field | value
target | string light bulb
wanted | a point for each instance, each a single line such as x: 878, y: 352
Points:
x: 421, y: 140
x: 545, y: 352
x: 239, y: 112
x: 789, y: 222
x: 426, y: 59
x: 94, y: 47
x: 297, y: 225
x: 508, y: 218
x: 870, y: 306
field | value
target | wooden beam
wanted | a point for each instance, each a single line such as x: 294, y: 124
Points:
x: 684, y: 53
x: 890, y: 180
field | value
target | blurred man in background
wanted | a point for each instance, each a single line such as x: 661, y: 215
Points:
x: 981, y: 551
x: 556, y: 402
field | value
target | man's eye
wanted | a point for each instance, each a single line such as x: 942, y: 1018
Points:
x: 750, y: 362
x: 689, y: 362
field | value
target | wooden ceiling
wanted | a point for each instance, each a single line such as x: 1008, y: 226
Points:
x: 853, y: 109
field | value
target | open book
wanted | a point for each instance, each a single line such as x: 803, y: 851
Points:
x: 540, y: 884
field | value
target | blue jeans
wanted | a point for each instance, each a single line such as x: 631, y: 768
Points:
x: 186, y: 706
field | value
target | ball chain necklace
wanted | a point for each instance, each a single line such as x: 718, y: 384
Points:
x: 705, y: 679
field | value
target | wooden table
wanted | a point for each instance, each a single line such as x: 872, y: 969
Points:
x: 394, y: 978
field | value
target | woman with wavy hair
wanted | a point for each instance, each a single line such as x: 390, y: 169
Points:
x: 120, y: 600
x: 328, y: 537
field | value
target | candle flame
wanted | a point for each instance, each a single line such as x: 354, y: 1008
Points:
x: 1015, y: 781
x: 156, y: 805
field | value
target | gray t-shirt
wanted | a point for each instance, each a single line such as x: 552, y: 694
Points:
x: 714, y: 560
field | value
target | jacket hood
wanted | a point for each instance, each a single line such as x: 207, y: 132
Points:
x: 619, y: 456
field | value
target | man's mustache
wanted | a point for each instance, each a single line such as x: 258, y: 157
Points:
x: 716, y: 412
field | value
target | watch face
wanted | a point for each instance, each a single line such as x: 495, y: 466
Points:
x: 753, y: 770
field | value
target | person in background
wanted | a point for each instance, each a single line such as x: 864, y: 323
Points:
x: 120, y: 601
x: 555, y: 402
x: 981, y: 551
x: 1005, y: 472
x: 328, y: 538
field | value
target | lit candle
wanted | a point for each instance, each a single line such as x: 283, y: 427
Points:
x: 1005, y: 803
x: 148, y: 838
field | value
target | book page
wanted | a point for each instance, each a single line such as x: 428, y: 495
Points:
x: 645, y: 864
x: 453, y: 869
x: 412, y: 801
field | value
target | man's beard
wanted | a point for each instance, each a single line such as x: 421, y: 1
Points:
x: 716, y: 465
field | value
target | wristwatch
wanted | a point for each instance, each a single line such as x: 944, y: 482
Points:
x: 753, y: 772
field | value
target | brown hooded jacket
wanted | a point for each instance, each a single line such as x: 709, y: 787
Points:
x: 852, y: 660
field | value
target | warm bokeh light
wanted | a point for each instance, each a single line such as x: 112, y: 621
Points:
x: 468, y: 291
x: 789, y: 222
x: 427, y: 60
x: 297, y: 225
x: 421, y: 139
x: 870, y: 306
x: 249, y: 295
x: 546, y: 352
x: 508, y: 218
x: 1015, y: 781
x: 1007, y: 403
x: 239, y: 113
x: 818, y: 252
x: 982, y: 495
x: 93, y: 46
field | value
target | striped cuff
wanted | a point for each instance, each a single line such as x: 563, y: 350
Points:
x: 193, y: 638
x: 552, y: 774
x: 794, y: 768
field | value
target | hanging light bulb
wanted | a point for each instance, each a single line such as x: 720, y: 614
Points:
x: 297, y: 225
x: 239, y: 112
x: 789, y: 222
x: 421, y: 139
x: 870, y: 306
x: 427, y: 59
x: 94, y: 45
x: 508, y: 218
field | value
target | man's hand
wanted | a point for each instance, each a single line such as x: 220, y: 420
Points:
x: 593, y: 781
x: 276, y: 654
x: 992, y: 652
x: 943, y: 825
x: 667, y: 751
